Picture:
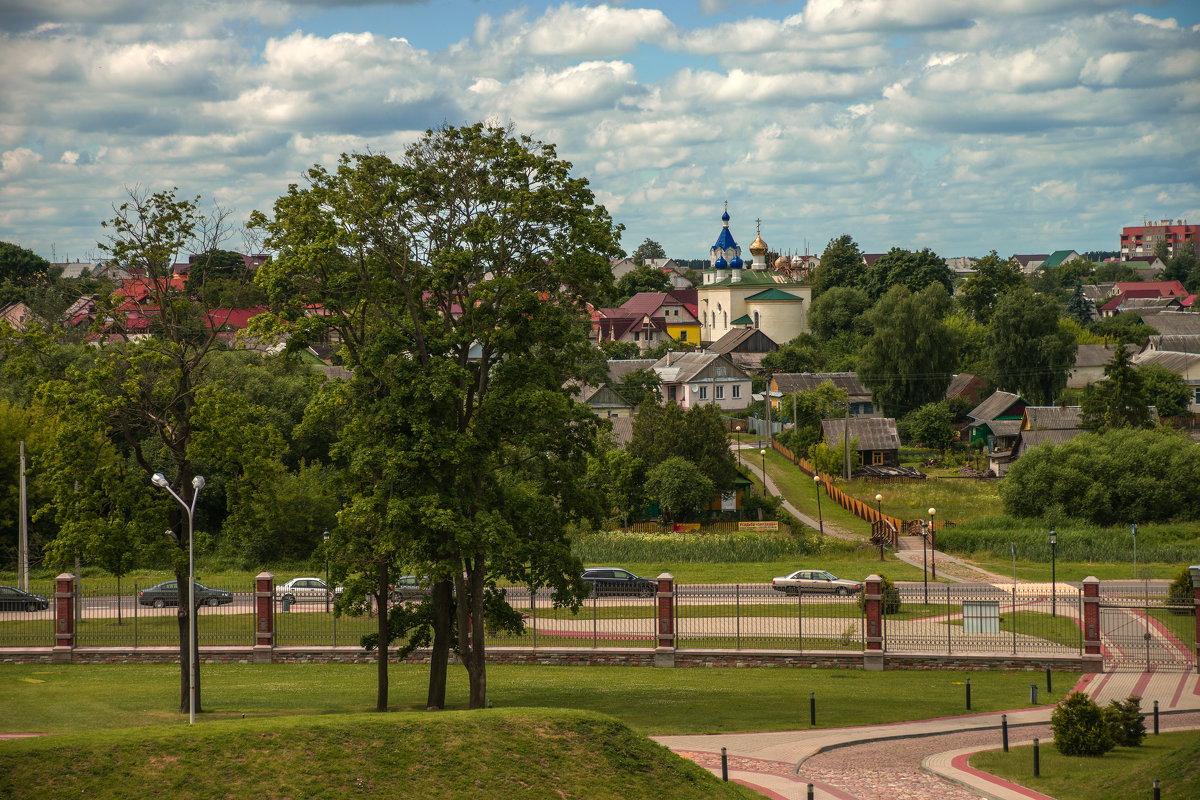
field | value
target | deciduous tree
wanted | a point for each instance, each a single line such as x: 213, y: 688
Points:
x: 648, y: 249
x: 1119, y: 400
x: 1030, y: 353
x: 913, y: 270
x: 841, y: 265
x: 992, y: 278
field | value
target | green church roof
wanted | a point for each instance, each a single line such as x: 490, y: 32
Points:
x: 772, y: 294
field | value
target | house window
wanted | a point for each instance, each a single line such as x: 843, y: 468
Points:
x: 737, y: 391
x: 703, y: 393
x: 1197, y: 400
x: 720, y: 391
x: 636, y: 336
x: 755, y: 319
x: 726, y: 319
x: 683, y: 336
x: 877, y: 457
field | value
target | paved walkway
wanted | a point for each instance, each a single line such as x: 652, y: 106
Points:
x: 922, y: 760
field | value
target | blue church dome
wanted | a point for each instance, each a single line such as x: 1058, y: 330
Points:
x: 735, y: 262
x: 720, y: 263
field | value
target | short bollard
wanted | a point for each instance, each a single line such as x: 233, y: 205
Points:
x: 1037, y: 768
x: 724, y: 765
x: 812, y: 708
x: 1156, y: 718
x: 810, y: 791
x: 1004, y: 731
x: 1049, y: 688
x: 1157, y: 791
x: 1033, y: 693
x: 968, y: 694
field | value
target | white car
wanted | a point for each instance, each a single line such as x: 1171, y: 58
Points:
x: 812, y: 581
x: 299, y: 590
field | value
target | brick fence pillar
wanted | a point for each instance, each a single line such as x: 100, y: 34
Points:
x: 264, y: 617
x: 64, y: 617
x: 873, y: 596
x: 664, y: 651
x: 1093, y: 660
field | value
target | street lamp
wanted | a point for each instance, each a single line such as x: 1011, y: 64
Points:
x: 820, y: 518
x: 161, y: 481
x: 325, y: 537
x: 763, y: 453
x: 738, y: 445
x: 932, y: 545
x: 1053, y: 583
x: 879, y: 522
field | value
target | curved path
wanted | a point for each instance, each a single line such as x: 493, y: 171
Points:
x: 922, y: 760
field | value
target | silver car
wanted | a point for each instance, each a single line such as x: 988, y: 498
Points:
x: 814, y: 581
x: 299, y: 590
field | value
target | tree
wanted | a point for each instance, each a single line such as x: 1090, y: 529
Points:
x: 641, y: 279
x: 456, y: 279
x: 206, y: 268
x: 1114, y: 271
x: 1031, y: 355
x: 837, y: 310
x: 802, y: 354
x: 899, y: 267
x: 930, y: 425
x: 640, y: 385
x: 619, y: 350
x: 1079, y: 308
x: 992, y: 278
x: 147, y: 406
x: 1079, y: 727
x: 1165, y: 390
x: 22, y: 267
x: 648, y: 249
x: 1181, y: 265
x: 679, y: 486
x: 1119, y: 400
x: 1123, y: 329
x: 808, y: 409
x: 841, y: 265
x: 909, y: 359
x: 698, y: 435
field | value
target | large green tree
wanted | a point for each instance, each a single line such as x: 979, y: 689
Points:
x: 841, y: 265
x: 910, y: 358
x: 22, y: 267
x: 838, y: 310
x: 1119, y: 400
x: 1167, y: 391
x: 1030, y: 353
x: 913, y: 270
x: 456, y: 279
x: 992, y: 279
x: 648, y: 249
x: 641, y: 279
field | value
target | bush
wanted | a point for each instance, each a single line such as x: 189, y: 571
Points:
x: 891, y: 596
x: 1080, y: 727
x: 1182, y: 592
x: 1125, y: 721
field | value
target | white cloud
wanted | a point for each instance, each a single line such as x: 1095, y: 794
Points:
x: 594, y: 31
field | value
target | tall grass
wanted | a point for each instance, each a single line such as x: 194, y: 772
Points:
x: 622, y: 547
x: 1077, y: 541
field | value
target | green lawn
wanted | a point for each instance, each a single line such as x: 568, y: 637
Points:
x: 1074, y: 571
x: 509, y: 753
x: 76, y: 697
x: 1173, y: 758
x: 1061, y: 630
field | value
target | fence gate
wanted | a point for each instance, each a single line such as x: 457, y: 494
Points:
x: 1145, y: 634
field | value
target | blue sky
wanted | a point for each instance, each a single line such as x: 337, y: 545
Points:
x: 1022, y: 126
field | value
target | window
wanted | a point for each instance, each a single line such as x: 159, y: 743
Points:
x: 703, y: 393
x: 683, y: 336
x: 720, y: 371
x: 755, y: 319
x: 877, y: 457
x: 1197, y: 395
x: 636, y: 336
x: 720, y: 391
x: 737, y: 391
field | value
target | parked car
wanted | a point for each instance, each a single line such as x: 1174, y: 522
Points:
x: 167, y: 594
x: 407, y: 587
x: 14, y: 599
x: 616, y: 581
x: 299, y: 590
x: 814, y: 581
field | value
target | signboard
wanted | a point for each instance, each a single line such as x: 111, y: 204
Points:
x: 685, y: 527
x: 765, y: 525
x: 729, y: 501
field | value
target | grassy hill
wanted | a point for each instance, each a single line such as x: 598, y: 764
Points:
x: 509, y: 753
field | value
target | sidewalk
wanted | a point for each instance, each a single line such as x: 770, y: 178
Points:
x: 774, y: 762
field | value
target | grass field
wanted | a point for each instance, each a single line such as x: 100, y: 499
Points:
x: 66, y: 698
x: 1173, y: 758
x: 509, y: 753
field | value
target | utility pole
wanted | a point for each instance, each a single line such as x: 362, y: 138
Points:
x: 767, y: 393
x: 846, y: 440
x: 23, y: 531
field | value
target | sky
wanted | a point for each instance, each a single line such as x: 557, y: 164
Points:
x: 1021, y: 126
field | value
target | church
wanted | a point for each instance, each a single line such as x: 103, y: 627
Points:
x: 773, y: 298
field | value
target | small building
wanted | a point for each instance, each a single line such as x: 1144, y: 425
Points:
x: 875, y: 439
x: 859, y: 397
x: 691, y: 379
x: 745, y: 346
x: 1090, y: 360
x: 967, y: 386
x: 997, y: 423
x: 605, y: 401
x: 1185, y: 365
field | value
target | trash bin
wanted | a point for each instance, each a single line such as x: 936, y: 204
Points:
x: 287, y: 604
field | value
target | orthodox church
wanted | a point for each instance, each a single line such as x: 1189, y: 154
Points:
x: 757, y: 295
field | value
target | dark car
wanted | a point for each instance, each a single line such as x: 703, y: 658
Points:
x: 406, y: 588
x: 13, y: 599
x: 167, y: 594
x: 616, y: 581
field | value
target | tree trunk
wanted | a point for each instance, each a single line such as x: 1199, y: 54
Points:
x: 443, y: 599
x: 186, y: 643
x: 470, y: 634
x: 381, y: 602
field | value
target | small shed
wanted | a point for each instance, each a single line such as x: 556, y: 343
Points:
x: 878, y: 444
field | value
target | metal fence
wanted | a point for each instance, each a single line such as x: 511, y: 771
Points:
x: 20, y: 625
x: 755, y: 616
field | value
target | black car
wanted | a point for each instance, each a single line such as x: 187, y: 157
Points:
x: 616, y: 581
x: 167, y: 594
x: 13, y: 599
x: 406, y: 588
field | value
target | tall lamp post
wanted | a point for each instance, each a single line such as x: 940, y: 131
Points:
x: 879, y: 522
x: 763, y: 453
x: 161, y: 481
x: 924, y: 566
x: 1053, y: 583
x: 932, y: 545
x: 820, y: 518
x: 738, y: 446
x: 328, y: 590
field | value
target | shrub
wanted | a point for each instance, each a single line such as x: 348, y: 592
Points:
x: 1182, y: 592
x: 1125, y: 721
x: 891, y: 596
x: 1080, y: 727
